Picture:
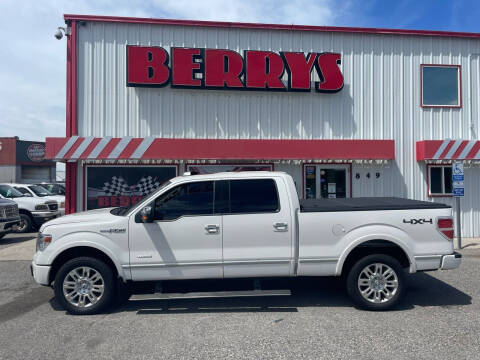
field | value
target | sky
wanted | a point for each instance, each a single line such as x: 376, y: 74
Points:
x: 33, y: 65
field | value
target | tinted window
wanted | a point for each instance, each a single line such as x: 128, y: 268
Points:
x: 186, y: 199
x: 448, y: 179
x: 40, y: 190
x: 440, y: 86
x: 436, y: 180
x: 9, y: 192
x: 253, y: 196
x: 22, y: 190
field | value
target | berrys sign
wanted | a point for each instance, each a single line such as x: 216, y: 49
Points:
x: 226, y: 69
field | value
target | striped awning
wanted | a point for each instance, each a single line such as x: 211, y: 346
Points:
x: 448, y: 150
x: 127, y: 148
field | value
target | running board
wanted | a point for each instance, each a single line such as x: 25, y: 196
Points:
x: 213, y: 294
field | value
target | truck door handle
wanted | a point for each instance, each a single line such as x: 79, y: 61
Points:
x: 280, y: 226
x: 212, y: 229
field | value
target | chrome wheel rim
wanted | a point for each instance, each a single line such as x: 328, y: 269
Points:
x: 22, y: 226
x: 83, y: 287
x: 378, y: 283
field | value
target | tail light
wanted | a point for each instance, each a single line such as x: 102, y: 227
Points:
x: 445, y: 226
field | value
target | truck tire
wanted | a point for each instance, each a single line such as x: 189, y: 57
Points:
x: 26, y: 224
x: 84, y: 286
x: 376, y: 282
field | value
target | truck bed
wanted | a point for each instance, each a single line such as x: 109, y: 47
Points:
x: 366, y: 204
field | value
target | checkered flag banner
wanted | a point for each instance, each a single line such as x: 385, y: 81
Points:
x: 117, y: 187
x: 146, y: 185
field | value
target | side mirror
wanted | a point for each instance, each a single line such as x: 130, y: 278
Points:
x: 27, y: 195
x: 145, y: 215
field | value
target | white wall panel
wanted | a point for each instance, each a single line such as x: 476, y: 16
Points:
x: 380, y: 99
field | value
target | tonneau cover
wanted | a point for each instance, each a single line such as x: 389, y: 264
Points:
x: 366, y: 204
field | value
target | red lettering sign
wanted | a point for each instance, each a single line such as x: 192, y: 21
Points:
x: 185, y: 65
x: 264, y: 70
x: 227, y: 69
x: 299, y: 69
x: 147, y: 66
x: 329, y: 73
x: 223, y: 68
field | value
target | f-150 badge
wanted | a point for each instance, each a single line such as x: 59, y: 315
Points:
x: 418, y: 221
x: 114, y: 231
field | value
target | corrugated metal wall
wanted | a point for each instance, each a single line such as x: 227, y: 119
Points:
x: 380, y: 100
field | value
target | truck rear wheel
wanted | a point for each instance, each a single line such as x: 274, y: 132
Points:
x: 84, y: 286
x: 376, y: 282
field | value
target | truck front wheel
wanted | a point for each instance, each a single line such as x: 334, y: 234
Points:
x: 26, y: 224
x: 84, y: 286
x: 376, y: 282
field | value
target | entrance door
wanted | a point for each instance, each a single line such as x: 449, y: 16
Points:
x: 326, y: 181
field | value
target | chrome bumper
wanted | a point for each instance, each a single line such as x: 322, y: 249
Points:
x: 452, y: 261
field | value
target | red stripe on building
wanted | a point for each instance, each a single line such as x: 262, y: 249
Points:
x: 109, y: 148
x: 130, y: 148
x: 70, y: 151
x: 460, y: 149
x: 222, y: 149
x: 53, y: 146
x: 89, y: 148
x: 473, y: 152
x: 446, y: 150
x: 270, y: 149
x: 427, y: 148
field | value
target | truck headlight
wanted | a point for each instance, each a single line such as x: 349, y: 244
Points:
x: 43, y: 241
x: 62, y: 204
x: 41, y: 207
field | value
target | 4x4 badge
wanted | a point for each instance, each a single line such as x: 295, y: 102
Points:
x: 418, y: 221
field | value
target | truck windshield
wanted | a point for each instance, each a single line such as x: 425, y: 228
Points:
x: 123, y: 210
x: 40, y: 190
x: 9, y: 192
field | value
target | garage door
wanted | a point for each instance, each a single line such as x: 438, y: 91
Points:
x: 31, y: 174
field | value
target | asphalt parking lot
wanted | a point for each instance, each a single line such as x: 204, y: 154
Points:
x: 439, y: 319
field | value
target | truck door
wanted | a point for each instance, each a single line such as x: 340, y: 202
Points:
x: 185, y: 239
x: 257, y: 228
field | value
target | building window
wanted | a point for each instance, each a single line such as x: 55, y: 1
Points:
x: 440, y: 86
x: 116, y: 185
x: 440, y: 180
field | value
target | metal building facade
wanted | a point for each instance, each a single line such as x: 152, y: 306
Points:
x: 380, y: 99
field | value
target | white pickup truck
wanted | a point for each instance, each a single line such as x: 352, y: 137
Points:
x: 243, y: 225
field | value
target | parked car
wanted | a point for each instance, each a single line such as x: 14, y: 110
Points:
x: 40, y: 192
x: 33, y: 211
x: 9, y: 217
x: 243, y: 225
x: 54, y: 188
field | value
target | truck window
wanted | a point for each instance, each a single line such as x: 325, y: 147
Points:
x: 187, y: 199
x: 253, y: 196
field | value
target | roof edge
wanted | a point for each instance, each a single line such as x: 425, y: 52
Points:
x: 245, y: 25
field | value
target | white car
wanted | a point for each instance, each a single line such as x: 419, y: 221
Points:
x: 243, y: 225
x: 33, y: 211
x: 39, y: 191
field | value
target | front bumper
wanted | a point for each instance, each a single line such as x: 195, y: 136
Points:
x: 452, y: 261
x: 40, y: 273
x: 8, y: 225
x: 39, y: 217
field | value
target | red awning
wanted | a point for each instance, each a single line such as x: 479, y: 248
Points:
x: 127, y: 148
x: 448, y: 150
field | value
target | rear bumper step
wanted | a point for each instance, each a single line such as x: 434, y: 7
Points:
x: 214, y: 294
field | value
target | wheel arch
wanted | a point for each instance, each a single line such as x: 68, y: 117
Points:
x: 80, y: 251
x: 378, y: 245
